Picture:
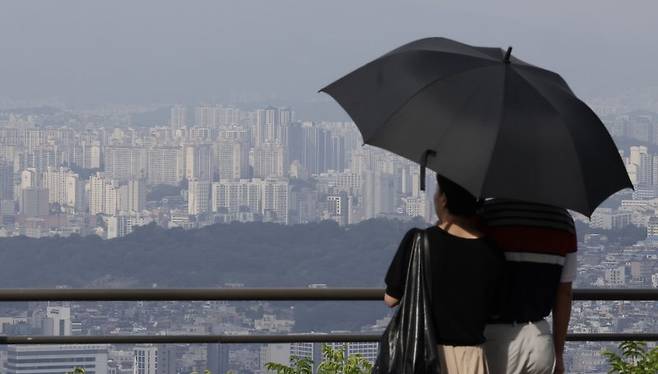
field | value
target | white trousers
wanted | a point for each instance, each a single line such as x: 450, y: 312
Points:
x: 523, y: 348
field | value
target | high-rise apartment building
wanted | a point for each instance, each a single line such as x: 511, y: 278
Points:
x: 123, y: 163
x: 198, y: 161
x: 235, y: 196
x: 231, y: 159
x: 92, y: 155
x: 34, y: 202
x: 104, y: 195
x: 275, y: 194
x: 203, y: 116
x: 30, y: 178
x: 199, y: 134
x: 178, y: 117
x: 269, y: 161
x: 268, y: 126
x: 6, y: 181
x: 64, y: 188
x: 136, y: 195
x: 163, y: 166
x: 198, y: 200
x: 227, y: 116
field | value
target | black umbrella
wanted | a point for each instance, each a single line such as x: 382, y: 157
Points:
x: 492, y: 123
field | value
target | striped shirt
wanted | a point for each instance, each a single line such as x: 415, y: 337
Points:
x: 539, y: 243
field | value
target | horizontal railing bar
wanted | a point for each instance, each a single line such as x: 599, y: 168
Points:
x: 265, y: 339
x: 245, y: 294
x: 189, y: 294
x: 611, y: 294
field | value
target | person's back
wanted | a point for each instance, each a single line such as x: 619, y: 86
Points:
x: 465, y: 271
x: 539, y: 243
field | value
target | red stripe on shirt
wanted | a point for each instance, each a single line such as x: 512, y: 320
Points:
x: 532, y: 239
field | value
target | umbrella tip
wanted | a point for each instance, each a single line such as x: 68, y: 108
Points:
x: 507, y: 55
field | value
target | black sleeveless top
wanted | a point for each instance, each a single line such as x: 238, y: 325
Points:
x: 466, y: 274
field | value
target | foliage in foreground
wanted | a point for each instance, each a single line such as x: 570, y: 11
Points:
x: 634, y: 359
x: 333, y: 362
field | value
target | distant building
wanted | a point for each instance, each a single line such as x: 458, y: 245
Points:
x: 167, y: 359
x: 163, y: 166
x: 41, y: 359
x: 178, y: 117
x: 615, y: 277
x: 217, y: 358
x: 34, y: 202
x: 270, y: 323
x: 231, y: 159
x: 136, y: 195
x: 275, y: 194
x: 104, y: 195
x: 117, y: 226
x: 146, y: 359
x: 125, y: 162
x: 64, y: 188
x: 6, y: 181
x: 339, y: 207
x: 652, y: 229
x: 609, y: 219
x: 198, y: 161
x: 198, y: 201
x: 30, y: 178
x: 57, y: 321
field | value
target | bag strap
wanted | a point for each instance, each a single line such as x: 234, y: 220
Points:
x: 426, y: 255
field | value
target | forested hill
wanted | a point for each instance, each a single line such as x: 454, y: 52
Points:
x: 256, y: 254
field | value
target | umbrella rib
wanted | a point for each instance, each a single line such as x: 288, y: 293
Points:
x: 550, y: 104
x: 394, y: 53
x: 566, y: 89
x: 493, y: 149
x: 483, y: 56
x: 418, y: 92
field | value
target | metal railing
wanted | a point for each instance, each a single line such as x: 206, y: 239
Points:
x: 272, y: 294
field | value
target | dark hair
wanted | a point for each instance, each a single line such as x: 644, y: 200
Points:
x: 459, y: 201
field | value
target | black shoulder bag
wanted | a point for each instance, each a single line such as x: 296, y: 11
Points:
x: 408, y: 345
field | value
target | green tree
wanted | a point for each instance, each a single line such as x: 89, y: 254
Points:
x: 77, y: 370
x: 634, y: 359
x: 333, y: 362
x: 298, y: 365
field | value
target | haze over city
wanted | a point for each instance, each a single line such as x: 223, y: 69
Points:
x: 145, y: 52
x: 160, y: 144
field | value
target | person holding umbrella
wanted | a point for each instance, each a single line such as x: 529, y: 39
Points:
x: 497, y: 126
x: 465, y: 274
x: 539, y: 243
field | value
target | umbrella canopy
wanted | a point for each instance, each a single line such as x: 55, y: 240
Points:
x: 490, y: 122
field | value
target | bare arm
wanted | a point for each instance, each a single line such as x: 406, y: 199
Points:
x: 561, y: 317
x: 390, y: 300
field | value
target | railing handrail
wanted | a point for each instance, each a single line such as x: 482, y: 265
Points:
x: 247, y: 294
x: 267, y: 339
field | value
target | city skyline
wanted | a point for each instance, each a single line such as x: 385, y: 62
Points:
x: 163, y: 144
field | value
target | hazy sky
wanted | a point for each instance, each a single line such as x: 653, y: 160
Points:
x: 187, y: 51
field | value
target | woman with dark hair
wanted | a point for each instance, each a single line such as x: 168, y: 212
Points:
x: 465, y: 272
